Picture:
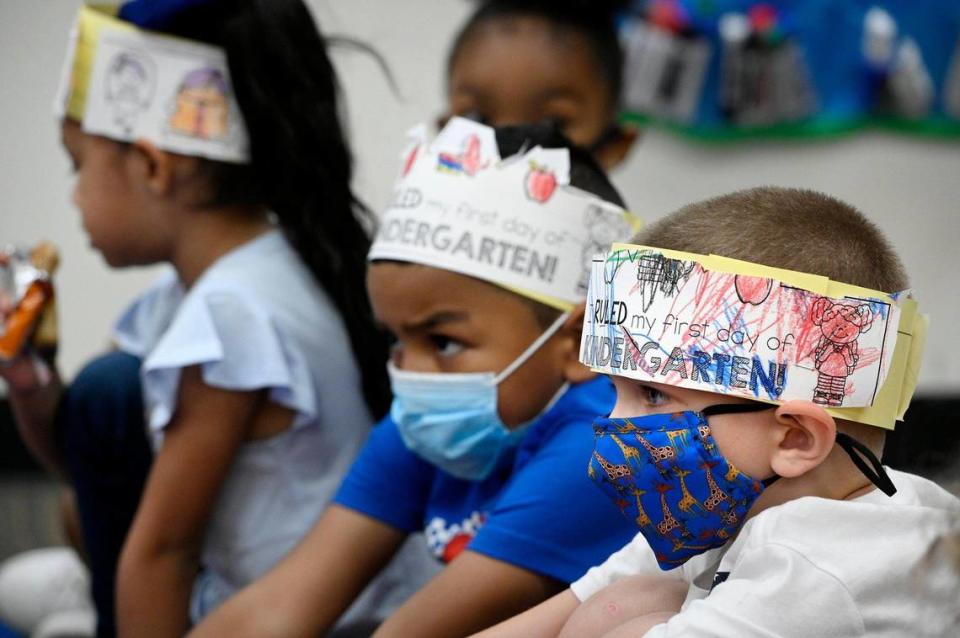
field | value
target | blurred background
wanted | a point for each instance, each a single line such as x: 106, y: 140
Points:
x: 705, y: 132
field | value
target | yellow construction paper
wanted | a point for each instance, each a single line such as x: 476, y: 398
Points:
x: 894, y: 397
x: 90, y: 20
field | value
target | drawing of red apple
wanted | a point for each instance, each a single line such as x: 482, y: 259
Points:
x: 752, y: 290
x: 540, y: 183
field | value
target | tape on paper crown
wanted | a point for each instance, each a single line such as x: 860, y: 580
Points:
x: 733, y: 327
x: 516, y: 222
x: 125, y: 83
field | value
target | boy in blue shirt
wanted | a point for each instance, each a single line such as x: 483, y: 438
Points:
x: 490, y: 422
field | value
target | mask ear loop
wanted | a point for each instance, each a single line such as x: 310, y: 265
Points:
x: 859, y: 453
x: 741, y: 408
x: 533, y: 347
x: 736, y: 408
x: 877, y: 475
x: 609, y: 134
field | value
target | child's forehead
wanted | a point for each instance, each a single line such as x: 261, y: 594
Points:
x: 542, y: 44
x: 421, y: 288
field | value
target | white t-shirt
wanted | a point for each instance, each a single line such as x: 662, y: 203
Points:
x: 256, y: 319
x: 810, y: 567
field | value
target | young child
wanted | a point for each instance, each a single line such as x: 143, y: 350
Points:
x: 475, y: 272
x: 770, y: 519
x: 523, y: 61
x: 220, y: 152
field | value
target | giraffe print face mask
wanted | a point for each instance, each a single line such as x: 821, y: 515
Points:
x: 664, y: 472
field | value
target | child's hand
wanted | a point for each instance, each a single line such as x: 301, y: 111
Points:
x: 25, y: 373
x: 27, y: 326
x: 646, y: 600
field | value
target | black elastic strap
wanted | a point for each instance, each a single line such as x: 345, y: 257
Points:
x: 736, y: 408
x: 858, y: 452
x: 609, y: 134
x: 741, y: 408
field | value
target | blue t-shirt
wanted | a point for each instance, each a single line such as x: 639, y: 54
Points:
x: 538, y: 510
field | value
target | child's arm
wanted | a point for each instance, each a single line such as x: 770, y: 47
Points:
x: 474, y: 591
x: 543, y: 621
x: 639, y: 626
x: 635, y: 602
x: 308, y: 590
x: 160, y: 558
x: 34, y: 390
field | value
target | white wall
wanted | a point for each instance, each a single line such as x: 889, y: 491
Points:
x: 909, y: 186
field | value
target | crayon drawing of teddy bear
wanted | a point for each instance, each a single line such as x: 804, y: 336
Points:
x: 836, y: 353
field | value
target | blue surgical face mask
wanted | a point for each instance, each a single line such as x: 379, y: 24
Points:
x: 451, y: 419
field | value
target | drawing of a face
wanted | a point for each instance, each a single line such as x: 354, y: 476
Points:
x: 129, y: 85
x: 841, y: 323
x: 201, y: 105
x: 605, y: 228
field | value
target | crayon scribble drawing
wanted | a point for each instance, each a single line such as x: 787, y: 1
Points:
x: 752, y: 290
x: 130, y: 83
x: 603, y: 228
x: 836, y: 354
x: 466, y: 161
x: 656, y: 272
x: 202, y: 106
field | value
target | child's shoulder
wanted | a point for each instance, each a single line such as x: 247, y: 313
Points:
x: 265, y: 265
x: 570, y: 417
x: 583, y: 401
x: 852, y: 539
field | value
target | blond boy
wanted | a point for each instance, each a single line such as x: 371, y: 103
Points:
x: 826, y: 545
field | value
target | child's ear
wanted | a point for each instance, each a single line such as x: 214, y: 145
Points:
x: 153, y: 167
x: 804, y: 436
x: 160, y: 171
x: 614, y: 151
x: 573, y: 370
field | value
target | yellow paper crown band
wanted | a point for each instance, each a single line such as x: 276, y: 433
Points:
x: 733, y: 327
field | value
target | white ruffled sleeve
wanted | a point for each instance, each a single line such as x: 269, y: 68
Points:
x: 144, y: 321
x: 239, y: 345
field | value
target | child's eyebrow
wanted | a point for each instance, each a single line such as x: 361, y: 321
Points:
x: 559, y: 93
x: 447, y: 316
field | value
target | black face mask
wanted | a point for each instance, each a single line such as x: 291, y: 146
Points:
x: 610, y: 134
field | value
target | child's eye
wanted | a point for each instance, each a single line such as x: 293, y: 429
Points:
x: 653, y: 396
x: 446, y: 347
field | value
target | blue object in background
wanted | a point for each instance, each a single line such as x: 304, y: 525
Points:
x: 803, y: 62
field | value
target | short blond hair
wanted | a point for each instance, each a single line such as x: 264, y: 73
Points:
x: 790, y: 228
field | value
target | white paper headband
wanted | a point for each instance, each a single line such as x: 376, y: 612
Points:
x: 125, y: 83
x: 516, y: 222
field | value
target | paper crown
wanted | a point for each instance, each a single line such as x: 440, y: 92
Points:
x: 125, y: 83
x: 733, y: 327
x: 515, y: 222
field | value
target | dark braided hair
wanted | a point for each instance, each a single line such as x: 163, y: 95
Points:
x: 301, y: 164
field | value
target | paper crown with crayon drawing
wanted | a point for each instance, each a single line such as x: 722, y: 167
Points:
x: 516, y: 221
x: 126, y: 83
x: 733, y: 327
